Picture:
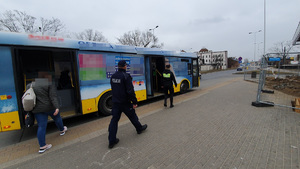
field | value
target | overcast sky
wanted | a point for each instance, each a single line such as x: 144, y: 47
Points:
x: 188, y: 25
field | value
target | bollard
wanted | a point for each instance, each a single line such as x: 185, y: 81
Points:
x: 253, y: 75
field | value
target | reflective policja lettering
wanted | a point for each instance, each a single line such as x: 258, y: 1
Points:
x: 116, y: 80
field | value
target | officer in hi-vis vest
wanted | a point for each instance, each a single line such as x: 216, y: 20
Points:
x: 167, y: 81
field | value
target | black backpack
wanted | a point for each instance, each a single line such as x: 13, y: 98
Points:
x: 29, y: 119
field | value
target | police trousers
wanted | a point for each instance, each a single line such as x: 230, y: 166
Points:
x: 170, y: 89
x: 117, y: 110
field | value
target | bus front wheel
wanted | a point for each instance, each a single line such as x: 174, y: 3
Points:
x: 105, y: 104
x: 184, y: 87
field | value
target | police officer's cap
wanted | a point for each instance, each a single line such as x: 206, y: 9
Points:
x: 122, y: 63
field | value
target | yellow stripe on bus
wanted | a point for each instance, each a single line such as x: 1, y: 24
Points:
x: 89, y: 106
x: 10, y: 121
x: 141, y: 95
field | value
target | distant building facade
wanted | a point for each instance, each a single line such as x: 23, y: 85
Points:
x: 209, y: 60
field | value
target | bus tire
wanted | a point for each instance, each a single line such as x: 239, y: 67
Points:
x: 105, y: 104
x: 184, y: 87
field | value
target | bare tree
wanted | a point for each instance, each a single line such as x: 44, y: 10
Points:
x: 8, y: 21
x: 282, y: 48
x: 17, y: 21
x: 57, y: 26
x: 132, y: 38
x: 45, y: 25
x: 26, y: 21
x: 138, y: 38
x: 232, y: 62
x: 91, y: 35
x: 51, y: 27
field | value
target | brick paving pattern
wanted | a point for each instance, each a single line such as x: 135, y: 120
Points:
x: 215, y: 127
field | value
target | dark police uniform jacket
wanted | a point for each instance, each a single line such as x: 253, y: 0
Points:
x: 122, y: 88
x: 168, y: 78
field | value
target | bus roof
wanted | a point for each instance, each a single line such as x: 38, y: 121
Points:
x: 20, y: 39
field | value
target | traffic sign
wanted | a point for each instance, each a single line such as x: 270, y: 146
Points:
x: 274, y: 59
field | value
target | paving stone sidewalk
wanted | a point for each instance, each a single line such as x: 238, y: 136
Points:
x: 214, y: 127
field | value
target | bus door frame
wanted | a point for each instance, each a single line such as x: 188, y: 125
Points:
x: 195, y: 72
x: 20, y: 80
x: 17, y: 66
x: 149, y: 73
x: 74, y: 75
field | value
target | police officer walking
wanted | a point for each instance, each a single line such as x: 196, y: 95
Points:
x: 168, y: 79
x: 124, y: 100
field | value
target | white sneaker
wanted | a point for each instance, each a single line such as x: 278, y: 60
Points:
x: 64, y: 131
x: 42, y: 150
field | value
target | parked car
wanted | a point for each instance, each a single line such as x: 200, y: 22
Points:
x: 239, y: 69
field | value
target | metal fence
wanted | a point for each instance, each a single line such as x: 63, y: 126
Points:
x: 278, y: 83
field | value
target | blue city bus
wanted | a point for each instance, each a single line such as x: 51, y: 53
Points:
x: 81, y: 71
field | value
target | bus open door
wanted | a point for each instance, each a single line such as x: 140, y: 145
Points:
x: 60, y: 64
x: 155, y: 65
x: 195, y: 69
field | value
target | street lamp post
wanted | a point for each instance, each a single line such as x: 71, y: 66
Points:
x: 254, y: 33
x: 265, y: 31
x: 258, y: 52
x: 152, y: 36
x: 153, y: 30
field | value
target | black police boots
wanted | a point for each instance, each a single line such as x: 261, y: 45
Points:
x: 144, y: 127
x: 111, y: 145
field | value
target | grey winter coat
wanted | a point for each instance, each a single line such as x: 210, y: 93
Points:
x: 46, y: 97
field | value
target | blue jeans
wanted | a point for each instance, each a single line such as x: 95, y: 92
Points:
x: 42, y: 121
